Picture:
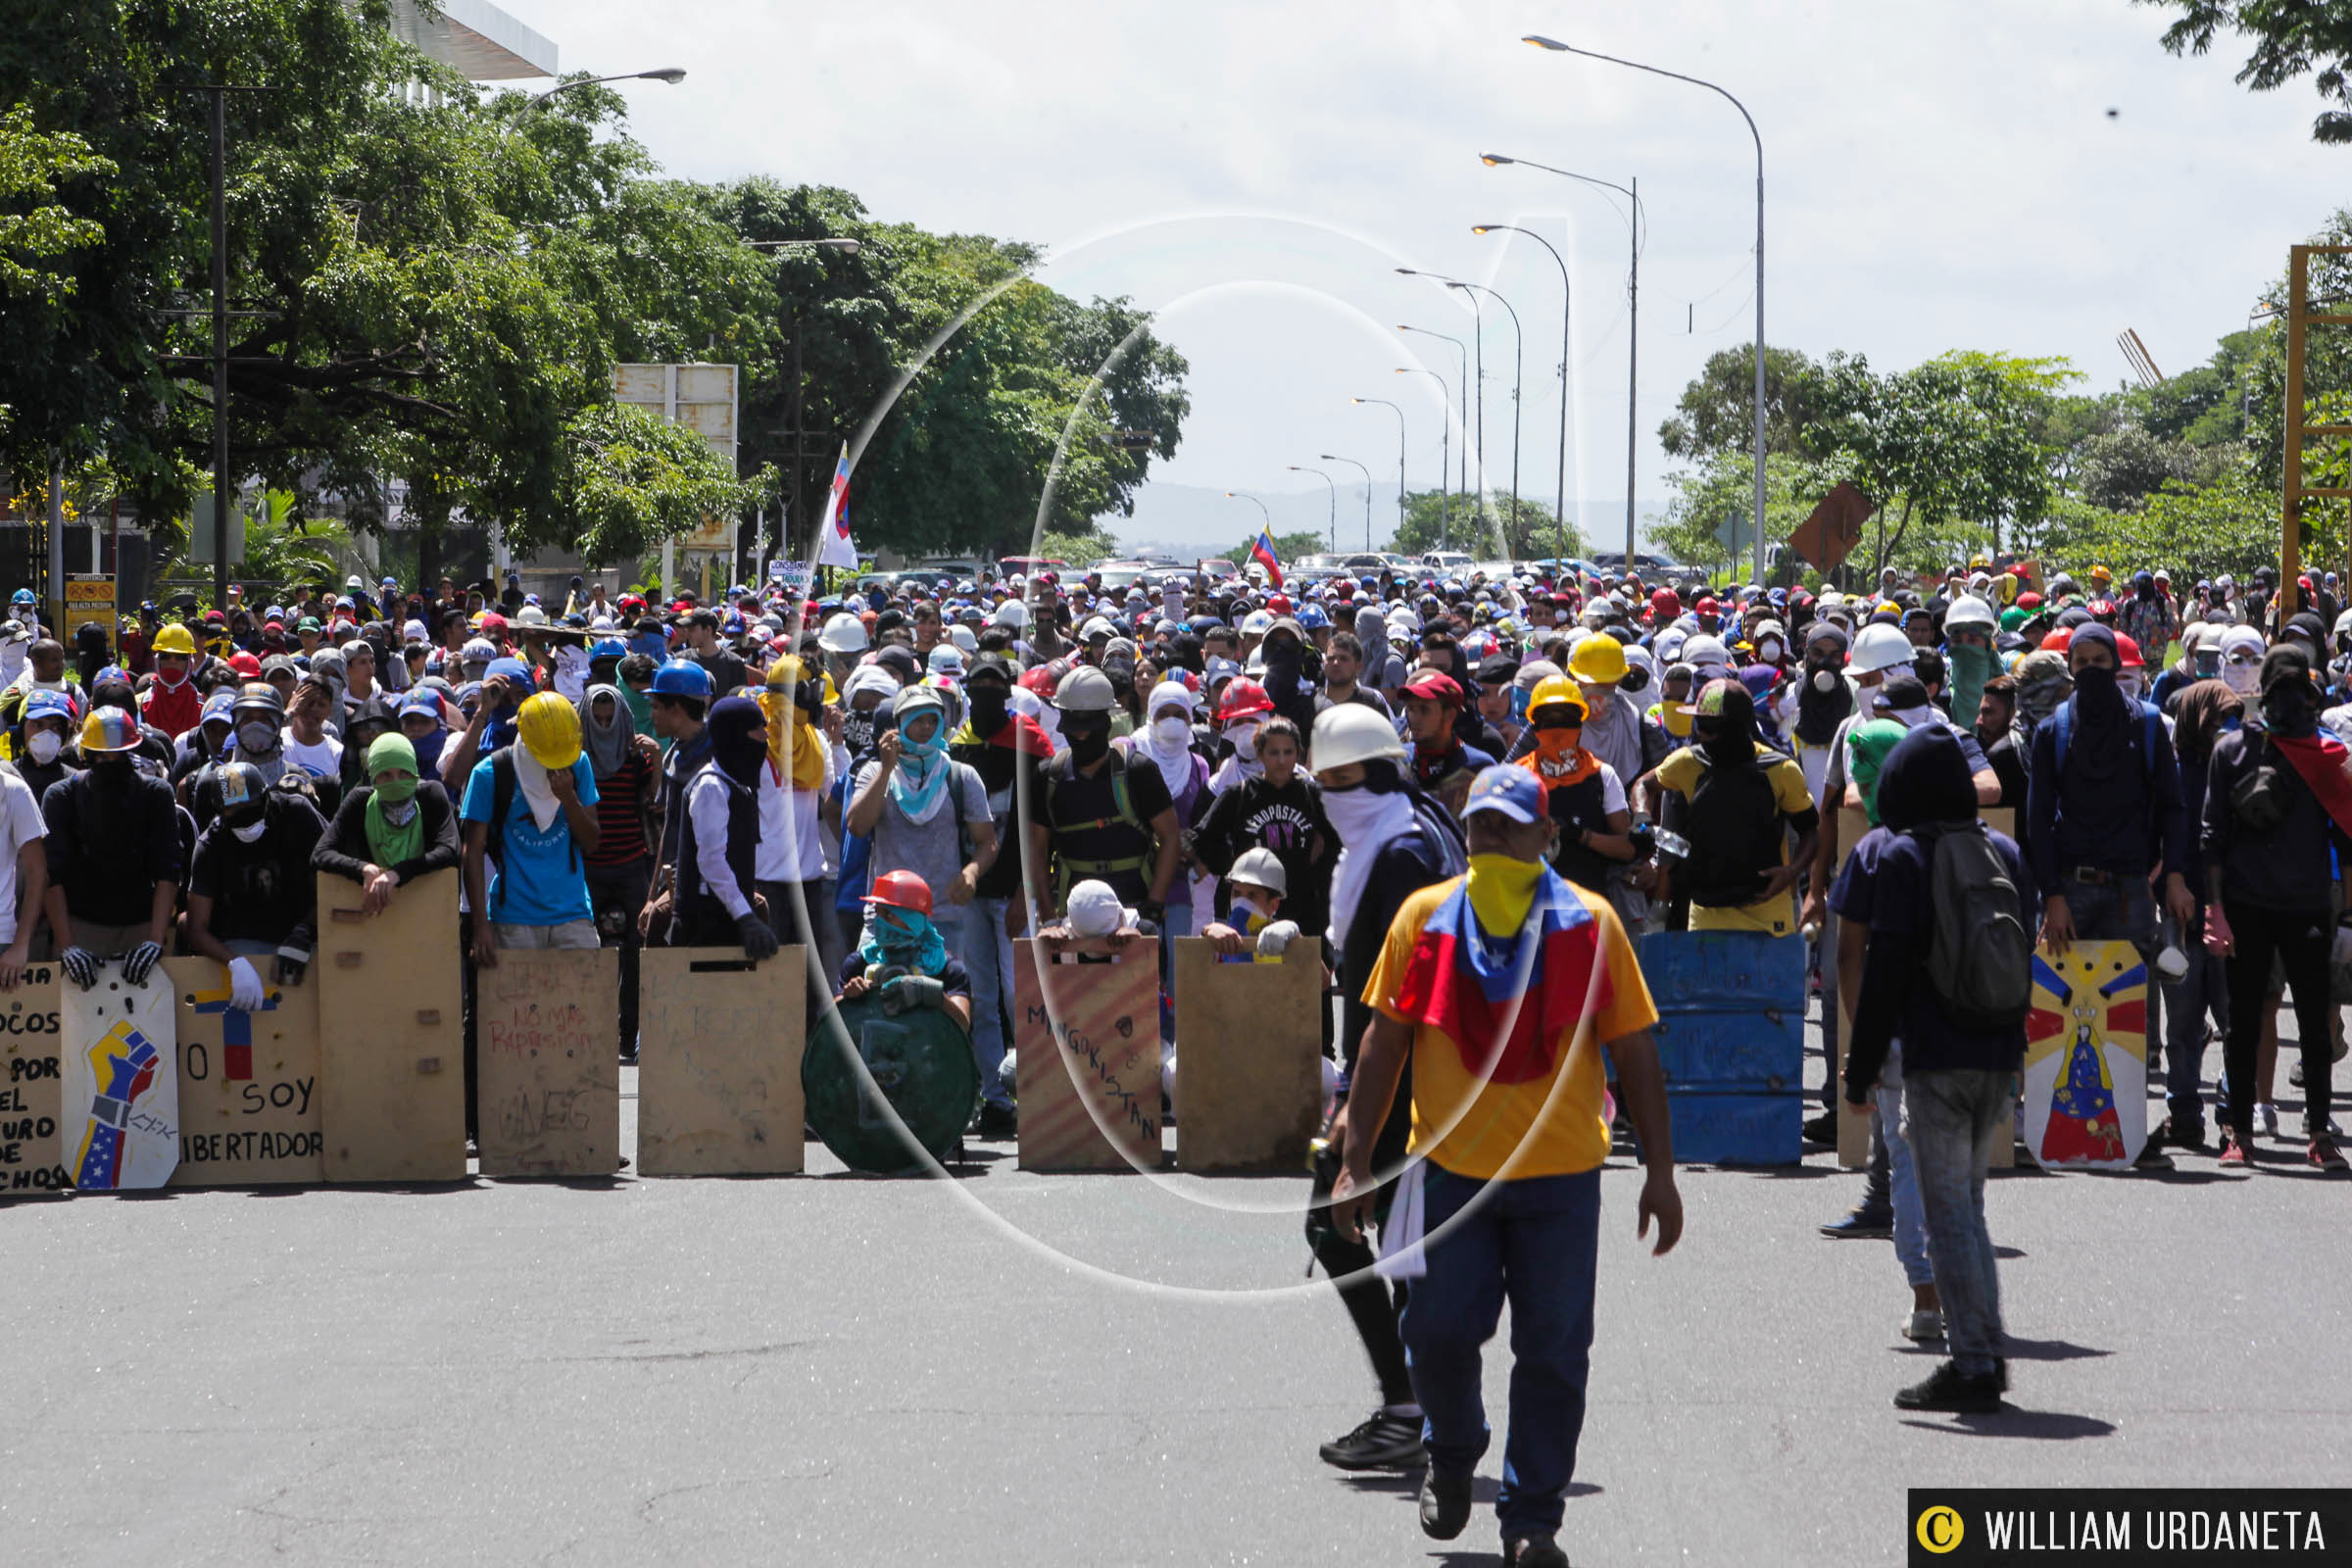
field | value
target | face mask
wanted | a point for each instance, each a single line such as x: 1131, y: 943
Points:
x: 171, y: 679
x: 397, y: 789
x: 256, y: 740
x: 1768, y: 652
x: 2129, y: 684
x: 44, y: 745
x: 1243, y: 735
x: 1501, y: 887
x: 1172, y: 732
x: 1088, y: 745
x: 2243, y: 675
x: 251, y: 832
x: 988, y: 709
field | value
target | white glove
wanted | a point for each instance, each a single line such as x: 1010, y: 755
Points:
x: 1275, y: 937
x: 245, y: 992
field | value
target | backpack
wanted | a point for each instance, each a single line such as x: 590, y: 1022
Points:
x: 1733, y: 824
x: 1981, y: 957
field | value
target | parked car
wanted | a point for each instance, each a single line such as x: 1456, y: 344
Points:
x: 1029, y: 566
x: 1450, y: 562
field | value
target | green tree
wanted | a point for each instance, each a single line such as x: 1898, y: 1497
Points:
x: 36, y: 229
x: 1436, y: 520
x: 1080, y: 550
x: 2289, y: 38
x: 1717, y: 410
x: 636, y: 479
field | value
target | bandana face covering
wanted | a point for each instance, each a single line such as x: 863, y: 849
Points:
x: 1501, y: 887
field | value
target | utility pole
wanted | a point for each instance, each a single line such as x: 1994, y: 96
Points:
x: 220, y: 96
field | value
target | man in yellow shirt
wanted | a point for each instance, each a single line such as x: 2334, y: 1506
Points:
x: 1503, y: 986
x: 1737, y: 803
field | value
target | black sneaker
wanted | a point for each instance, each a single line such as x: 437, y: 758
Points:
x: 2179, y: 1133
x: 997, y: 1121
x: 2152, y: 1156
x: 1948, y: 1388
x: 1445, y: 1503
x: 1536, y: 1552
x: 1383, y: 1443
x: 1822, y: 1129
x: 1862, y: 1225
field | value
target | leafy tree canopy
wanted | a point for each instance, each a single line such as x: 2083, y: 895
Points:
x: 2287, y: 38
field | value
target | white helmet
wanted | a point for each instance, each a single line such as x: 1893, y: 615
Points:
x: 1705, y: 651
x: 1013, y: 613
x: 1261, y: 868
x: 1879, y: 646
x: 1087, y: 690
x: 844, y: 633
x: 1969, y: 610
x: 1351, y: 732
x: 1256, y: 623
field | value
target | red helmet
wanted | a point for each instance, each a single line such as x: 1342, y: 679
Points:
x: 2056, y: 641
x: 1280, y: 603
x: 2127, y: 652
x: 1241, y: 698
x: 901, y: 890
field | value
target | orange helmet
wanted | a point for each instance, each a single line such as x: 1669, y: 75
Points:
x: 901, y: 890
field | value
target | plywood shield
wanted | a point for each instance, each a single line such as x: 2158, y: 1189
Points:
x: 391, y: 1051
x: 1248, y: 1058
x: 547, y: 1042
x: 248, y: 1081
x: 121, y: 1093
x: 2086, y: 1057
x: 1087, y: 1044
x: 718, y: 1065
x: 32, y: 1157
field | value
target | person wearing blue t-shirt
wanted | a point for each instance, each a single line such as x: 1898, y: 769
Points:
x: 542, y: 835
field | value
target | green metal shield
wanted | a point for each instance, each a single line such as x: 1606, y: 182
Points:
x: 865, y: 1066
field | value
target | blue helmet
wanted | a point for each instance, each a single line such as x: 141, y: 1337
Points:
x: 609, y: 647
x: 682, y: 677
x: 1310, y: 617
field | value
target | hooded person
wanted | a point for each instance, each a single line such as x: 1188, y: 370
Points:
x: 2241, y: 661
x: 904, y: 958
x: 919, y: 803
x: 865, y: 699
x: 1868, y: 747
x: 717, y: 860
x: 2267, y: 835
x: 1394, y: 842
x: 2042, y: 687
x: 1582, y: 794
x: 1383, y: 670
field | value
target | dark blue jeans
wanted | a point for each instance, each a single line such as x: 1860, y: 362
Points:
x: 1532, y: 1243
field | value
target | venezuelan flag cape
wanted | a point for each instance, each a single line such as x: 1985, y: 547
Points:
x: 1504, y: 1001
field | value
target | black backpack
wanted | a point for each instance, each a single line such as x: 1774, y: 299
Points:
x: 1733, y: 824
x: 1980, y: 955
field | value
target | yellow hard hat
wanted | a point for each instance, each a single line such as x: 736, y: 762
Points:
x: 784, y: 673
x: 1556, y: 690
x: 550, y: 728
x: 175, y: 639
x: 1598, y: 659
x: 2101, y: 574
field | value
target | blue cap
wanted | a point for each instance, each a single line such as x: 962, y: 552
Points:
x: 1507, y: 788
x: 53, y: 705
x: 424, y: 702
x: 512, y: 669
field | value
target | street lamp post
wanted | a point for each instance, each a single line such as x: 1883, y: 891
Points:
x: 1244, y: 495
x: 1567, y: 306
x: 673, y: 74
x: 1477, y: 372
x: 1444, y: 454
x: 1445, y: 520
x: 1399, y: 413
x: 1333, y: 457
x: 1334, y: 499
x: 1635, y: 224
x: 1518, y: 395
x: 1758, y: 136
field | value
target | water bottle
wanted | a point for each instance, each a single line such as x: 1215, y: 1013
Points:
x: 1670, y: 844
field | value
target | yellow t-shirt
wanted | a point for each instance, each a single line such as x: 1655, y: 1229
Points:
x: 1563, y: 1132
x: 1682, y: 772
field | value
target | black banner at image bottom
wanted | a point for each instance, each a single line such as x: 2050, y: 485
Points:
x: 2129, y: 1526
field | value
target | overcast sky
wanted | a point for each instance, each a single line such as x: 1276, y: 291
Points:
x: 1938, y: 176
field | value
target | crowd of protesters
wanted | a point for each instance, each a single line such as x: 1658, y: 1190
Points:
x: 1473, y: 789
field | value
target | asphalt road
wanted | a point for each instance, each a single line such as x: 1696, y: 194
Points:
x: 1025, y: 1369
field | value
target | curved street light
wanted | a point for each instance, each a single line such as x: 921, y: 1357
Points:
x: 1558, y: 47
x: 1399, y: 413
x: 1518, y: 396
x: 1333, y: 457
x: 1334, y: 498
x: 1444, y: 539
x: 1444, y: 457
x: 673, y: 74
x: 1636, y: 226
x: 1567, y: 308
x: 1244, y: 495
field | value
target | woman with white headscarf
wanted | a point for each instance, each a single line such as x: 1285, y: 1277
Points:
x: 1166, y: 738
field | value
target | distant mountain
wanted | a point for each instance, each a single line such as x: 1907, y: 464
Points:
x: 1183, y: 520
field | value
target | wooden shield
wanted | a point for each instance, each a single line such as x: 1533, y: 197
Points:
x: 248, y: 1081
x: 32, y: 1156
x: 2086, y: 1057
x: 718, y: 1064
x: 547, y: 1041
x: 1086, y: 1043
x: 120, y: 1088
x: 1248, y: 1058
x: 391, y: 1051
